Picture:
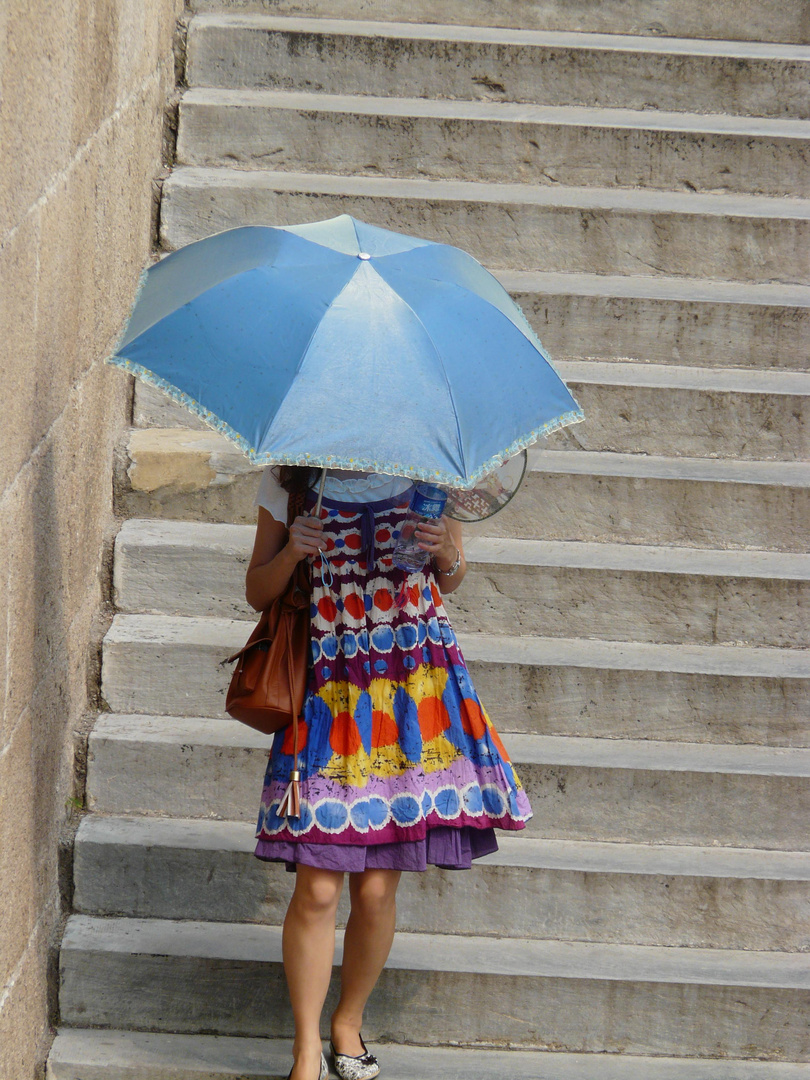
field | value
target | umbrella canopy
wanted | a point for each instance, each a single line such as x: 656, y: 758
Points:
x: 342, y: 345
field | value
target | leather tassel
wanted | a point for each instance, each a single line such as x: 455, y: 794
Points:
x: 290, y: 805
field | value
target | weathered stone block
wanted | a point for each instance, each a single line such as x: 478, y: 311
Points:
x: 638, y: 791
x: 656, y: 501
x: 19, y: 888
x: 55, y: 554
x: 18, y: 316
x: 81, y: 105
x: 26, y: 1010
x: 180, y: 473
x: 692, y: 422
x: 123, y: 209
x: 92, y: 56
x: 36, y: 151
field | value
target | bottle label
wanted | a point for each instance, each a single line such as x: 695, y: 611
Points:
x: 428, y: 501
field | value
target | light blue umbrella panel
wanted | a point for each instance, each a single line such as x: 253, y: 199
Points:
x: 339, y: 344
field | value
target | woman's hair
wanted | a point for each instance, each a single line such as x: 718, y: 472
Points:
x: 295, y: 479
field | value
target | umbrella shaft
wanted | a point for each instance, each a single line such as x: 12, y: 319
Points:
x: 317, y: 511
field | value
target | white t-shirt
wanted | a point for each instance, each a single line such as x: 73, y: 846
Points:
x: 355, y: 487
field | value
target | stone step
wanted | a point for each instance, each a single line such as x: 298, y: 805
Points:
x: 546, y: 67
x: 680, y: 321
x: 566, y: 494
x: 563, y: 229
x: 547, y: 686
x: 105, y: 1054
x: 227, y: 979
x: 572, y: 890
x: 554, y: 587
x: 492, y: 141
x: 633, y: 592
x: 688, y: 411
x: 622, y: 790
x: 649, y: 499
x: 773, y: 20
x: 190, y: 473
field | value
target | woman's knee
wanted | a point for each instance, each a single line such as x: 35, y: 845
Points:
x: 374, y: 891
x: 317, y: 892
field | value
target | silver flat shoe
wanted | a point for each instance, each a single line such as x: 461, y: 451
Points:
x: 324, y: 1070
x: 362, y: 1067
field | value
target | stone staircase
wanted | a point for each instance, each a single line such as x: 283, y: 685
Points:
x: 636, y: 174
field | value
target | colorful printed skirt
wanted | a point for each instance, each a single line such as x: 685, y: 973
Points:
x: 395, y: 748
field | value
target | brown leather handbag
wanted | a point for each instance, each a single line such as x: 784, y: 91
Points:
x: 268, y: 684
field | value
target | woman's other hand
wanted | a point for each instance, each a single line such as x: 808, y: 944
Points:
x: 437, y: 540
x: 441, y: 539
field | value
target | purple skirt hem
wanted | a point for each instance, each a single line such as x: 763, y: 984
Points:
x: 444, y: 846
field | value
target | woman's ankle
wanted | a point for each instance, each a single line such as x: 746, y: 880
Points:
x: 307, y: 1048
x: 346, y: 1034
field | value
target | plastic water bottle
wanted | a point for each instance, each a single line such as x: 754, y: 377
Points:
x: 427, y: 502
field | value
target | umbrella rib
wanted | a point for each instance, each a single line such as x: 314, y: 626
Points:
x: 444, y: 373
x: 573, y: 416
x: 524, y: 326
x: 154, y: 271
x: 299, y: 365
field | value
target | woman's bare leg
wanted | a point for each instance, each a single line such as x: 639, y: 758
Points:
x: 369, y: 934
x: 308, y: 946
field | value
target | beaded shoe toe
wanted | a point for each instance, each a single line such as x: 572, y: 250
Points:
x: 362, y: 1067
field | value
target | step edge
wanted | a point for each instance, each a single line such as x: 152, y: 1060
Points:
x: 773, y: 661
x: 457, y: 32
x: 591, y: 856
x: 423, y: 952
x: 75, y: 1046
x: 564, y: 197
x: 597, y: 556
x: 504, y: 111
x: 662, y: 288
x: 545, y: 751
x: 657, y: 376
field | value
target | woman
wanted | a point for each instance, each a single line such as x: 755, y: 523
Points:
x: 400, y: 765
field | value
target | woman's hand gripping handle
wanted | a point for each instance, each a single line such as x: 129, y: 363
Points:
x: 306, y: 537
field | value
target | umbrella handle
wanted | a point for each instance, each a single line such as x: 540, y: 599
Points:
x: 317, y: 511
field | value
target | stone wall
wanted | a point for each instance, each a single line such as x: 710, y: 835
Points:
x: 82, y: 90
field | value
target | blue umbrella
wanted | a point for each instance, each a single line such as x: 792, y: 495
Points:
x: 342, y: 345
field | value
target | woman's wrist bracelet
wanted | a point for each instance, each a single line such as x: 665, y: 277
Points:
x: 453, y: 569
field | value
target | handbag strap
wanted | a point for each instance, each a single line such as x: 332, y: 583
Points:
x: 291, y: 801
x: 296, y: 501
